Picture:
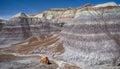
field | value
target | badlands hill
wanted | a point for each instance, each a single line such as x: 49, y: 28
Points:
x: 86, y: 37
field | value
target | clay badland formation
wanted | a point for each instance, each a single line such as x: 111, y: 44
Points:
x: 86, y: 37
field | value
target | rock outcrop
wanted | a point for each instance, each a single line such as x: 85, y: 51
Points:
x: 44, y: 60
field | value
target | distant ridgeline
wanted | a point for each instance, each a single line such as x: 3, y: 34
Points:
x: 36, y: 24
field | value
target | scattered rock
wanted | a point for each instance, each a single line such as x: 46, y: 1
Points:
x: 44, y: 60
